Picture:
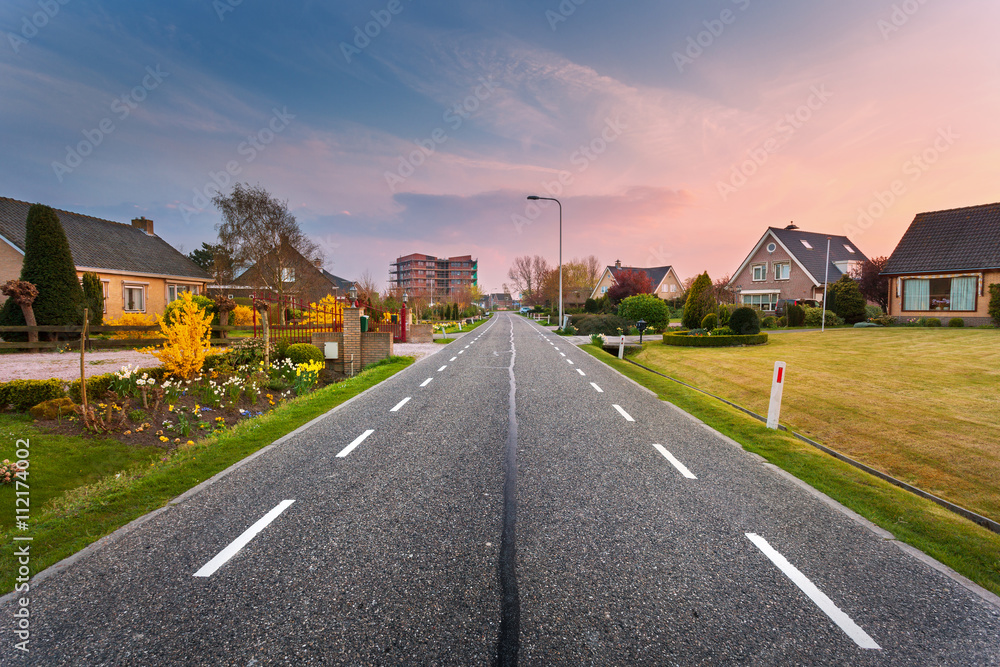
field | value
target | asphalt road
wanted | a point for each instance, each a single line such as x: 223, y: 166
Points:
x: 411, y: 527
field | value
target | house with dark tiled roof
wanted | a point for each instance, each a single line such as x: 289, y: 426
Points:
x: 665, y: 281
x: 139, y: 271
x: 299, y: 277
x: 790, y: 264
x: 944, y: 264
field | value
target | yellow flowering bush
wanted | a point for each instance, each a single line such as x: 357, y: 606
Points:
x: 307, y: 375
x: 133, y: 320
x: 188, y: 339
x: 327, y: 311
x: 242, y: 317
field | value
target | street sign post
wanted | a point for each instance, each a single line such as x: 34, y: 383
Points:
x: 777, y: 386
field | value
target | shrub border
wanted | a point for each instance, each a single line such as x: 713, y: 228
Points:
x: 684, y: 340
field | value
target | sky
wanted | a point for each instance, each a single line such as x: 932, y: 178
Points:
x: 671, y: 132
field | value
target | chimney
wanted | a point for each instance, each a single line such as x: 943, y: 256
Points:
x: 618, y: 262
x: 318, y: 262
x: 143, y: 224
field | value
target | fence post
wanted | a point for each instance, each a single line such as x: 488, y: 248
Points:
x: 402, y: 323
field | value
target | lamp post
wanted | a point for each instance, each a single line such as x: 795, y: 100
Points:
x: 536, y: 198
x: 826, y: 285
x: 642, y: 327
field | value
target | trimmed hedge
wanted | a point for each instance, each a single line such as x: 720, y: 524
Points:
x: 300, y: 353
x: 26, y: 394
x: 684, y: 340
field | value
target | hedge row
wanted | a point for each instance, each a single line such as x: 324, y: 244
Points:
x: 684, y: 340
x: 26, y: 394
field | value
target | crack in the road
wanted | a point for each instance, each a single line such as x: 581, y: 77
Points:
x: 509, y: 640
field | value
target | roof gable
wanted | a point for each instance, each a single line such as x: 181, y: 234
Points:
x: 811, y: 255
x: 104, y: 245
x: 957, y: 239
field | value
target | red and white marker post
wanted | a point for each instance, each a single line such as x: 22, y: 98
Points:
x: 777, y: 386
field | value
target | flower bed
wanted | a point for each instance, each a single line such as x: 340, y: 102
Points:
x: 687, y: 339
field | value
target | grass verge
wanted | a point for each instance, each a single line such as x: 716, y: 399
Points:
x: 77, y: 517
x: 958, y: 543
x: 444, y: 341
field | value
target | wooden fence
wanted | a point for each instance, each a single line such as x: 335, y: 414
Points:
x: 71, y: 336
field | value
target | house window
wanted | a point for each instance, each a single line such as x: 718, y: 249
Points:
x: 288, y: 275
x: 771, y: 247
x: 849, y: 248
x: 174, y: 291
x: 930, y: 294
x: 673, y: 288
x: 761, y: 301
x: 806, y: 244
x: 759, y: 272
x: 604, y: 290
x: 105, y: 291
x: 782, y: 270
x: 134, y: 297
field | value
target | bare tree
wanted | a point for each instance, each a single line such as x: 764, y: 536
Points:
x: 368, y: 291
x: 258, y: 231
x: 593, y: 270
x: 521, y: 277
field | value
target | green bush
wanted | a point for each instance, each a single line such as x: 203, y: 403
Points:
x: 646, y: 307
x: 685, y: 340
x: 204, y: 303
x: 956, y: 322
x: 280, y: 349
x: 814, y: 317
x: 247, y: 351
x: 849, y: 304
x: 97, y: 386
x: 300, y: 353
x: 608, y: 325
x: 744, y: 321
x: 591, y: 306
x: 700, y: 301
x: 723, y: 331
x: 932, y: 322
x: 769, y: 322
x: 993, y: 310
x: 26, y: 394
x: 782, y: 322
x: 709, y: 322
x: 93, y: 298
x: 796, y: 315
x: 724, y: 313
x: 884, y: 320
x: 872, y: 311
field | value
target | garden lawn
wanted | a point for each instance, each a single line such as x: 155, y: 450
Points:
x: 922, y: 405
x: 65, y: 519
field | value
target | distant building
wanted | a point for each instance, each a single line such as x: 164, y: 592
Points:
x: 498, y: 301
x: 434, y: 278
x: 666, y: 284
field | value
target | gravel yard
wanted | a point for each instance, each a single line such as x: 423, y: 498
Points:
x: 66, y: 366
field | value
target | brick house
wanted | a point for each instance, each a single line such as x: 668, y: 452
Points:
x: 300, y: 278
x: 139, y: 271
x: 788, y: 263
x: 666, y: 284
x: 944, y: 264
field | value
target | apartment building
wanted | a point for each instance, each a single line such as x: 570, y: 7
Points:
x: 434, y: 278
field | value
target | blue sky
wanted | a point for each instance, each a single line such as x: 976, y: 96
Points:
x: 679, y: 130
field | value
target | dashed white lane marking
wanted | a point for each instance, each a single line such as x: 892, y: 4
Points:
x: 426, y: 382
x: 818, y: 597
x: 570, y: 361
x: 563, y: 354
x: 209, y: 568
x: 466, y: 347
x: 357, y: 441
x: 442, y: 368
x: 624, y: 414
x: 557, y: 348
x: 461, y: 351
x: 580, y: 371
x: 453, y: 359
x: 674, y: 462
x: 594, y: 385
x: 400, y: 404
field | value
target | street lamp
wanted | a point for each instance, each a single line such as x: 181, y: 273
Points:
x: 536, y: 198
x: 642, y: 327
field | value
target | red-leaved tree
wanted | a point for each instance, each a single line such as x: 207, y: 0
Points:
x: 629, y: 283
x: 874, y: 288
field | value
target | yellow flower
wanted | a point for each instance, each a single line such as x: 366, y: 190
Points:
x: 190, y: 442
x: 164, y: 438
x: 128, y: 433
x: 170, y: 408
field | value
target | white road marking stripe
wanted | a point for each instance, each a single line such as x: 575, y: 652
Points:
x: 400, y: 404
x: 442, y: 368
x: 557, y: 348
x: 594, y: 385
x: 209, y: 568
x: 357, y: 441
x: 563, y: 354
x: 461, y: 351
x: 580, y: 371
x: 453, y: 359
x: 677, y: 464
x: 624, y: 414
x: 818, y: 597
x: 426, y: 382
x: 570, y: 361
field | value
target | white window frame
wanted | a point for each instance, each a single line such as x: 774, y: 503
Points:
x: 772, y: 297
x: 105, y: 293
x: 175, y: 289
x: 128, y: 285
x: 753, y: 272
x: 788, y: 270
x: 288, y: 274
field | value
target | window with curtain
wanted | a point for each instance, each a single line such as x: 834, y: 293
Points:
x: 963, y: 293
x: 940, y: 293
x: 916, y: 294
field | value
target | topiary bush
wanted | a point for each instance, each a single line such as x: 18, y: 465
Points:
x: 26, y: 394
x: 709, y: 321
x: 769, y: 322
x: 300, y: 353
x: 782, y: 322
x: 724, y: 313
x: 700, y: 302
x: 993, y: 310
x: 744, y: 321
x: 646, y: 307
x: 814, y: 317
x: 956, y: 322
x: 796, y: 315
x: 849, y: 304
x: 714, y: 340
x: 932, y: 322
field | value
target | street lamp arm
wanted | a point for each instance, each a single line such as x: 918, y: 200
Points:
x: 536, y: 198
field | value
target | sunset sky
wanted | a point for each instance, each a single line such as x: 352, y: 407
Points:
x: 673, y: 132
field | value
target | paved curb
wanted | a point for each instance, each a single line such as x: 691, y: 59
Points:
x: 131, y: 526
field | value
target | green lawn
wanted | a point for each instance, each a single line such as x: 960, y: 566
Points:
x: 106, y: 486
x: 920, y: 404
x: 958, y: 543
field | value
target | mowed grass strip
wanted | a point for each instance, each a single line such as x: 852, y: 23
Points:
x: 958, y: 543
x: 922, y: 405
x: 75, y: 517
